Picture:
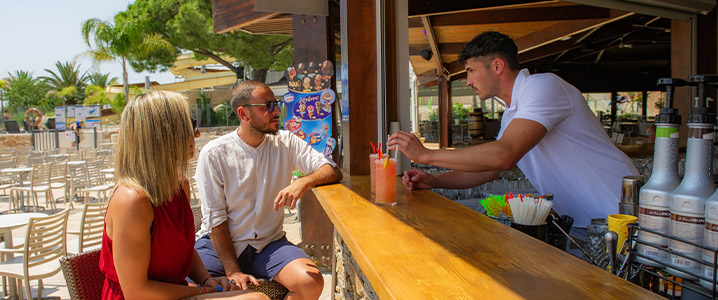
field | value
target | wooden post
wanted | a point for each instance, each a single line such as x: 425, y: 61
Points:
x: 444, y: 113
x: 681, y: 67
x: 314, y: 41
x: 358, y: 30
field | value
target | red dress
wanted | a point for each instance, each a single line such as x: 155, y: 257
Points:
x: 171, y: 251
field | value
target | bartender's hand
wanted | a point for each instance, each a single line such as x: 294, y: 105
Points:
x: 410, y: 145
x: 417, y: 179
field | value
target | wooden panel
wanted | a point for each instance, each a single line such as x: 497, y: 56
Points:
x: 681, y: 68
x: 228, y: 15
x: 277, y: 25
x: 424, y: 7
x: 316, y: 230
x: 360, y: 49
x: 563, y: 28
x: 578, y: 12
x: 429, y: 247
x: 464, y: 33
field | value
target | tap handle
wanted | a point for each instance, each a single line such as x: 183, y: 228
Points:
x: 702, y: 81
x: 612, y: 243
x: 670, y: 84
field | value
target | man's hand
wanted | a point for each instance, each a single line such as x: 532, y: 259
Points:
x: 417, y: 179
x: 289, y: 195
x: 241, y: 281
x: 410, y: 145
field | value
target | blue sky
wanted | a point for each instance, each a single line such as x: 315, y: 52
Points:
x: 37, y: 33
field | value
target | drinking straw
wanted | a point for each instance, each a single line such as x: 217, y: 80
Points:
x: 372, y: 147
x: 380, y: 150
x: 386, y: 161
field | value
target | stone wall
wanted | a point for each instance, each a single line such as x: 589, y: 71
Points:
x: 14, y: 140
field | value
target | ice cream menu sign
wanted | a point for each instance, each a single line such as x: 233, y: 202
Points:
x: 309, y: 104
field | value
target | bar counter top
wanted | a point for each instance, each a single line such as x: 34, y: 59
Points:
x: 429, y: 247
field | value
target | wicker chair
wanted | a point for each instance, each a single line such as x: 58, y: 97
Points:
x: 82, y: 275
x: 274, y: 290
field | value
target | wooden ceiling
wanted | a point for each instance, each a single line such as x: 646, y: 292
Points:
x: 595, y: 49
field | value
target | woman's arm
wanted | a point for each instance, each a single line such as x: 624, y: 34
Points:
x: 129, y: 219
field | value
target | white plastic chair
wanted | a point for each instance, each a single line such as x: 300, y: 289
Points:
x: 40, y: 183
x: 45, y: 244
x: 96, y: 182
x: 91, y: 226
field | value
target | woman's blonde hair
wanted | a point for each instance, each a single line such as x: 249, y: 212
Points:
x: 154, y: 145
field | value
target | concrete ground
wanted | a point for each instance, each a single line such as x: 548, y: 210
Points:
x: 56, y: 287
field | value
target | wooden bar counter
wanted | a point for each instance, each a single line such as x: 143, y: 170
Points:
x: 429, y: 247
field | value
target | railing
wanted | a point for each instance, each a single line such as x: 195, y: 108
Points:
x: 634, y: 266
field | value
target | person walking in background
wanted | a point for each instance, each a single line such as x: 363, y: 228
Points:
x: 76, y: 126
x: 244, y: 180
x: 147, y: 244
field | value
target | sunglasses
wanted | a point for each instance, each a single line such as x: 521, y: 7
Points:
x: 269, y: 105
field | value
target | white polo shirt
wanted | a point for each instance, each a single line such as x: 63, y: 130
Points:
x: 238, y: 183
x: 576, y: 161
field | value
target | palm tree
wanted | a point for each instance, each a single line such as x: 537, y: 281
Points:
x: 119, y: 42
x: 101, y: 80
x: 68, y: 75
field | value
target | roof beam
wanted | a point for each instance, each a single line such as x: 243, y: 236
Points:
x: 432, y: 43
x: 565, y: 28
x: 537, y: 14
x: 424, y: 7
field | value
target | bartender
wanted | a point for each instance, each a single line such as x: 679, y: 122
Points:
x: 547, y: 130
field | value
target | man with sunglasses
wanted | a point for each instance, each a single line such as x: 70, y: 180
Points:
x: 244, y: 181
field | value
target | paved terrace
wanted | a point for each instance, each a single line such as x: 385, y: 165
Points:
x: 55, y: 286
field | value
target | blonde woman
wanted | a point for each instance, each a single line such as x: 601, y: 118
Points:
x: 147, y: 245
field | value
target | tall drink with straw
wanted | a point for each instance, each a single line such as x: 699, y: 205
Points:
x: 372, y: 170
x: 385, y: 180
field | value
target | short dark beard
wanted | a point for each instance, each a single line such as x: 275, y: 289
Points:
x: 257, y: 128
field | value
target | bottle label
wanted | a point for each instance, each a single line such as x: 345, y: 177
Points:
x: 667, y: 132
x: 656, y: 220
x: 690, y: 229
x: 701, y: 133
x: 710, y: 239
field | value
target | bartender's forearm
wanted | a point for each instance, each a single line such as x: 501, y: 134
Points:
x: 519, y: 137
x: 481, y: 158
x: 463, y: 180
x: 222, y: 242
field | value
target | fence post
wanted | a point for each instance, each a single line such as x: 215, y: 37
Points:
x: 57, y: 139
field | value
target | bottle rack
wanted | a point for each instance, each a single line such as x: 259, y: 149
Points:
x: 692, y: 285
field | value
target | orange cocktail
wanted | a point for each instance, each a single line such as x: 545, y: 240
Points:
x: 385, y: 181
x: 372, y: 171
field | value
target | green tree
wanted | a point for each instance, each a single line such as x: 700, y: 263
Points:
x: 118, y: 104
x: 187, y: 25
x: 22, y: 91
x: 102, y: 80
x: 68, y: 75
x: 123, y: 41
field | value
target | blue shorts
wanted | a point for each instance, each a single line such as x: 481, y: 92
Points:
x: 266, y: 264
